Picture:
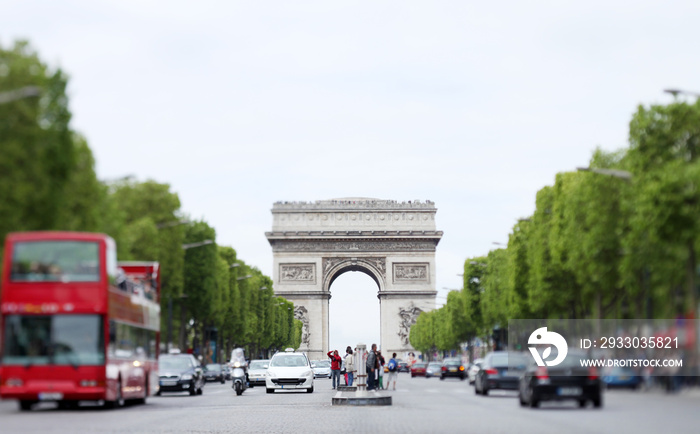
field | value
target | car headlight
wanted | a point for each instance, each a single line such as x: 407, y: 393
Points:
x: 307, y: 373
x: 186, y: 377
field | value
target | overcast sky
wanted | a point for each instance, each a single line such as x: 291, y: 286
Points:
x: 473, y: 105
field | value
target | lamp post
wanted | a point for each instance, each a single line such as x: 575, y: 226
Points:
x: 181, y: 296
x: 676, y: 92
x: 616, y: 173
x: 21, y: 93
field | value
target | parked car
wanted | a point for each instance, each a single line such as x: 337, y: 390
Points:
x: 418, y: 369
x: 566, y: 381
x: 289, y: 370
x: 257, y: 370
x: 473, y: 369
x: 214, y: 372
x: 452, y: 367
x: 227, y: 372
x: 433, y: 369
x: 622, y: 378
x: 322, y: 368
x: 180, y: 373
x: 500, y: 370
x: 403, y: 367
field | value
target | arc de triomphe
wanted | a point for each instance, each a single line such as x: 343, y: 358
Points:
x: 393, y: 242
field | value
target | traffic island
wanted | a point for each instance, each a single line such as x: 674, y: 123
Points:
x: 347, y: 388
x: 360, y: 398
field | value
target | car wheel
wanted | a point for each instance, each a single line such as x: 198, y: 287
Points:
x: 442, y: 377
x: 461, y: 378
x: 193, y: 390
x: 520, y: 398
x: 485, y: 392
x: 200, y: 390
x: 581, y: 403
x: 412, y: 375
x: 310, y: 389
x: 223, y: 381
x: 25, y: 405
x: 598, y: 401
x: 270, y: 390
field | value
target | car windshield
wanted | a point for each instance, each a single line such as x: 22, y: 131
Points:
x: 213, y: 367
x: 177, y: 363
x: 259, y: 364
x: 288, y: 361
x: 453, y: 362
x: 434, y: 365
x: 323, y: 364
x: 419, y: 365
x: 502, y: 360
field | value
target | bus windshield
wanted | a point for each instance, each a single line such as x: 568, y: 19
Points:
x: 55, y: 261
x: 76, y: 340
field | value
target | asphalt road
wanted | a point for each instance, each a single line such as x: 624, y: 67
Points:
x: 420, y: 405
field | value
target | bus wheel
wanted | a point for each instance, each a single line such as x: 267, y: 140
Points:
x: 25, y: 405
x: 119, y: 401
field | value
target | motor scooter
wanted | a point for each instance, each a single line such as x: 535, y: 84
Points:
x: 239, y: 375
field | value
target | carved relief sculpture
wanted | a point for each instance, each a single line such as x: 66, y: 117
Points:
x: 301, y: 314
x: 297, y: 272
x: 409, y: 316
x: 414, y: 272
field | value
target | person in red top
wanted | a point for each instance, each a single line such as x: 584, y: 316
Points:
x: 336, y: 362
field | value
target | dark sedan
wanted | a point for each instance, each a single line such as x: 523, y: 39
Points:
x: 453, y: 368
x: 214, y: 372
x: 180, y: 373
x: 566, y: 381
x: 495, y: 372
x: 403, y: 367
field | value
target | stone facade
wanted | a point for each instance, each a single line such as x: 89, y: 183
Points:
x: 394, y: 243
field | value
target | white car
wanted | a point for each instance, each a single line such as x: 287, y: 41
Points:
x: 474, y: 369
x: 289, y: 370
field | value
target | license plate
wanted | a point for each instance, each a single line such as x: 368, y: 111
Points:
x: 168, y: 383
x: 624, y: 378
x: 453, y: 369
x: 569, y: 391
x: 50, y: 396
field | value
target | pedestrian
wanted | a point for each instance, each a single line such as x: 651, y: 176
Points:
x: 393, y: 367
x: 349, y: 367
x: 371, y: 365
x: 335, y: 367
x: 380, y: 370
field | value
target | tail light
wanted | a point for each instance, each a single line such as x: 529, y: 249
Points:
x: 461, y: 368
x: 541, y: 373
x: 592, y: 373
x: 492, y: 371
x: 444, y: 368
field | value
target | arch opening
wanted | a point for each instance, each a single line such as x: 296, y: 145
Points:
x: 354, y: 309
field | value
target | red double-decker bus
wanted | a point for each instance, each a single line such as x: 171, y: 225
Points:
x: 74, y: 325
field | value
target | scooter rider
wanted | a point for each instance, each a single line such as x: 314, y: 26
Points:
x: 238, y: 361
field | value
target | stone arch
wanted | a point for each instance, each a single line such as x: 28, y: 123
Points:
x: 343, y: 265
x: 393, y: 242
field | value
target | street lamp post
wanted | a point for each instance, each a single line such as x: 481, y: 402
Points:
x: 21, y: 93
x: 181, y: 296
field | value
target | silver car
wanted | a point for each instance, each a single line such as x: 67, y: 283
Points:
x: 257, y: 369
x: 473, y: 369
x: 322, y: 368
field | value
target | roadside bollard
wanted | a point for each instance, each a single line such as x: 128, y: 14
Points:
x: 360, y: 357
